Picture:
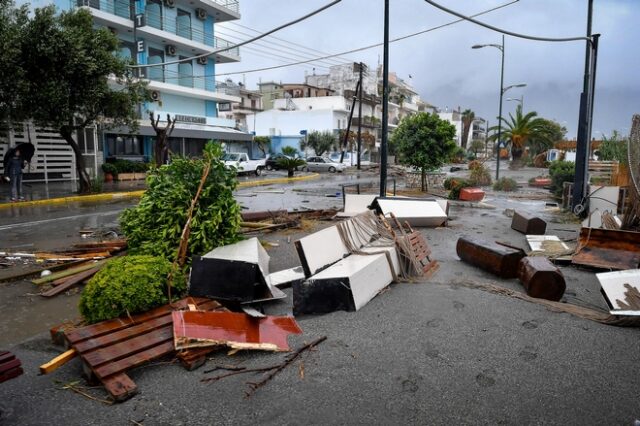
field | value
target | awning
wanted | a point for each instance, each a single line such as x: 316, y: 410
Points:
x: 195, y: 131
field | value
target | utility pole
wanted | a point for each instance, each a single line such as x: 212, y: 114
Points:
x: 385, y: 104
x: 584, y: 126
x: 360, y: 114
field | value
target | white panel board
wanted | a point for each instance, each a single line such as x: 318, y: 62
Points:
x: 322, y: 248
x: 613, y: 285
x: 393, y: 254
x: 536, y: 242
x: 427, y: 213
x: 250, y: 251
x: 356, y: 203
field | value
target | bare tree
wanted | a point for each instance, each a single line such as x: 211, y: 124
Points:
x: 161, y: 154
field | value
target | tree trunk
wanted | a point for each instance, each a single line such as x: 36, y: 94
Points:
x: 85, y: 183
x: 161, y: 148
x: 425, y: 186
x: 290, y: 173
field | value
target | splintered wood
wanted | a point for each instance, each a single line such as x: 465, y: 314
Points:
x: 109, y: 348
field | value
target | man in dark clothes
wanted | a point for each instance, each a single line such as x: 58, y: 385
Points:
x: 15, y: 166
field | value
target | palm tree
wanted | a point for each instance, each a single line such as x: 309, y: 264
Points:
x: 519, y: 129
x: 467, y: 120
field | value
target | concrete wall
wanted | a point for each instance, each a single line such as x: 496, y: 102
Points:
x: 282, y: 123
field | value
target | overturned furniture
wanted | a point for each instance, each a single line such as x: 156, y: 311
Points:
x: 608, y: 249
x: 422, y: 212
x: 109, y: 348
x: 528, y: 225
x: 348, y: 264
x: 541, y: 278
x: 355, y: 204
x: 621, y: 290
x: 236, y: 272
x: 492, y: 257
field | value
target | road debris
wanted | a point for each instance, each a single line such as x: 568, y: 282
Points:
x: 608, y: 249
x: 621, y: 291
x: 10, y: 366
x: 541, y: 278
x: 471, y: 194
x: 528, y: 225
x: 490, y: 256
x: 195, y: 329
x: 416, y: 211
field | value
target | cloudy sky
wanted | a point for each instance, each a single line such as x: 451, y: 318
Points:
x: 443, y: 67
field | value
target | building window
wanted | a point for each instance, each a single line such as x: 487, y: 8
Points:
x: 183, y: 24
x: 185, y: 71
x: 124, y: 145
x: 156, y: 56
x: 153, y: 13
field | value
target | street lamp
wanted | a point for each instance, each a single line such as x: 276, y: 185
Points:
x: 521, y: 100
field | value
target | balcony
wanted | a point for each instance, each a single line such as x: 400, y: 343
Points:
x: 185, y: 37
x: 184, y: 84
x: 221, y: 10
x: 115, y: 14
x: 367, y: 121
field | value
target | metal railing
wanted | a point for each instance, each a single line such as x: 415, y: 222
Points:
x: 121, y: 8
x: 173, y: 77
x: 233, y: 5
x: 187, y: 30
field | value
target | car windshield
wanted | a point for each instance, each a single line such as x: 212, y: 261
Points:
x: 327, y: 160
x: 231, y: 157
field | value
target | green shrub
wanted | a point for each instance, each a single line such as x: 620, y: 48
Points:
x: 475, y: 164
x: 480, y: 176
x: 290, y: 164
x: 505, y: 184
x: 560, y: 172
x: 128, y: 166
x: 128, y: 285
x: 110, y: 168
x: 155, y: 225
x: 455, y: 185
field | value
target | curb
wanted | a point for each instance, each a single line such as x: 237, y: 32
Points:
x: 136, y: 194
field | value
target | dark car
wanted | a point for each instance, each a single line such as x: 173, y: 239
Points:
x: 272, y: 161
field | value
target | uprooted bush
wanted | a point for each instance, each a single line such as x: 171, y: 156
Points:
x: 128, y: 285
x: 480, y: 175
x: 155, y: 225
x: 560, y: 172
x: 505, y: 184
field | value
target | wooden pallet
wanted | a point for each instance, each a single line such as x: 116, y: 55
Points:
x: 109, y: 348
x: 422, y: 253
x: 10, y: 366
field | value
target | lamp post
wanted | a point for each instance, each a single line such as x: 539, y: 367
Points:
x: 521, y: 100
x: 502, y: 91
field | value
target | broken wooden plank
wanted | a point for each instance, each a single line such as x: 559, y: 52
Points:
x: 68, y: 272
x: 68, y: 282
x: 38, y: 272
x: 235, y: 330
x: 120, y: 387
x: 10, y: 366
x: 58, y: 361
x: 608, y: 249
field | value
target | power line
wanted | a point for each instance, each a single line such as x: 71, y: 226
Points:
x: 482, y: 24
x: 301, y: 53
x: 360, y: 49
x: 287, y: 41
x: 292, y: 56
x: 224, y: 49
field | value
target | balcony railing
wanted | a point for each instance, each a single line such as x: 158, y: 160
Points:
x: 121, y: 8
x: 233, y: 5
x: 173, y: 77
x: 186, y: 30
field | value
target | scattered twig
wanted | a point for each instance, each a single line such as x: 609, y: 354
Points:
x: 225, y: 367
x: 233, y: 373
x: 288, y: 360
x: 72, y: 386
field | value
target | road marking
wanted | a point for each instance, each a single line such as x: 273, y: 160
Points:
x: 41, y: 222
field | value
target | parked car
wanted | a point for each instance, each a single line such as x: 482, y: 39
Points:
x: 272, y: 161
x: 242, y: 163
x: 324, y: 164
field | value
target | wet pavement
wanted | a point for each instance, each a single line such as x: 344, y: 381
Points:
x: 432, y: 352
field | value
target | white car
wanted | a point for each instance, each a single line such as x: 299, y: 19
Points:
x: 242, y: 163
x: 324, y: 164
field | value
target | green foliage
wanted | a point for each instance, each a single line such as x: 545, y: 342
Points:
x: 127, y: 285
x: 110, y: 168
x: 290, y: 151
x: 320, y: 142
x: 613, y: 148
x: 424, y: 141
x: 476, y: 146
x: 13, y: 22
x: 262, y: 142
x: 154, y: 226
x: 480, y: 175
x: 457, y: 155
x: 505, y: 184
x: 128, y: 166
x: 60, y: 69
x: 467, y: 118
x: 560, y: 172
x: 549, y: 132
x: 454, y: 185
x: 290, y: 164
x: 96, y: 185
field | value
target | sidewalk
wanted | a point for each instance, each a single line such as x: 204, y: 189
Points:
x: 39, y: 193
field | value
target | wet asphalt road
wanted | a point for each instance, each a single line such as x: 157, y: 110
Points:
x: 420, y: 353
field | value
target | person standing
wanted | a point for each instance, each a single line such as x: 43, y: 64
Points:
x: 15, y: 166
